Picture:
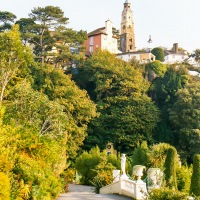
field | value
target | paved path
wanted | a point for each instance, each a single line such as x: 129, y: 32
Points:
x: 81, y: 192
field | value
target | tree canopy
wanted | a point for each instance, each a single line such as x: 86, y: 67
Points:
x: 183, y: 116
x: 14, y: 58
x: 126, y: 114
x: 158, y: 52
x: 6, y: 20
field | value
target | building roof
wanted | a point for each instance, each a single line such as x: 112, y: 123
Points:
x: 171, y: 52
x: 134, y: 52
x: 101, y: 30
x: 97, y: 32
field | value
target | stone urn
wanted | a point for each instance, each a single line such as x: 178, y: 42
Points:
x: 154, y: 178
x: 138, y: 171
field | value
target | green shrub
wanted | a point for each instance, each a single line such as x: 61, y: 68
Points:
x: 95, y: 167
x: 104, y: 173
x: 158, y: 155
x: 195, y: 181
x: 140, y: 155
x: 167, y: 194
x: 4, y: 187
x: 184, y: 174
x: 86, y: 163
x: 157, y: 67
x: 170, y: 168
x: 114, y: 160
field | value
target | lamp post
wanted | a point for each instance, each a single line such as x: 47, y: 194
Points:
x: 150, y: 41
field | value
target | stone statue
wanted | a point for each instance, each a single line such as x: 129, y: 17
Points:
x: 123, y: 164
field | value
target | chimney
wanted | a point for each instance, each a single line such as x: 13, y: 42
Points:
x: 175, y: 47
x: 108, y: 27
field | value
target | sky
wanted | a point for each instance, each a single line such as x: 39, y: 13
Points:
x: 167, y: 21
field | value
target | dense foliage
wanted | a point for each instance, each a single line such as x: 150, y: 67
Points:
x: 47, y: 119
x: 167, y: 194
x: 95, y: 166
x: 43, y: 121
x: 6, y: 20
x: 127, y: 116
x: 183, y: 175
x: 158, y: 52
x: 184, y: 115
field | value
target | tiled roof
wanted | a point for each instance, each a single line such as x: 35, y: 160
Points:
x: 97, y: 32
x: 134, y: 52
x: 171, y: 52
x: 100, y: 31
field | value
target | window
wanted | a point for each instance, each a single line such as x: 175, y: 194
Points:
x: 124, y: 29
x: 92, y: 40
x: 91, y: 49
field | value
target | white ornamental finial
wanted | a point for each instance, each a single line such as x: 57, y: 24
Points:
x: 127, y: 1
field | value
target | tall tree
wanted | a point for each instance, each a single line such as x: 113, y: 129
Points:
x: 14, y: 57
x: 46, y: 20
x: 195, y: 182
x: 69, y: 46
x: 163, y: 92
x: 6, y: 20
x: 52, y: 42
x: 25, y: 27
x: 183, y: 116
x: 170, y: 168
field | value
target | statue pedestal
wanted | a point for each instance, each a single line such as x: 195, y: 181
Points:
x: 124, y: 176
x: 116, y: 175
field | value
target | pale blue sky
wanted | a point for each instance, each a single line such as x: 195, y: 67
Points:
x: 168, y: 21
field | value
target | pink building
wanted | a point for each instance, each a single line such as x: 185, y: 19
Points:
x: 102, y: 38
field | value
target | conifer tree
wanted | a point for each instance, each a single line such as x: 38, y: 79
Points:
x: 195, y: 182
x: 170, y: 168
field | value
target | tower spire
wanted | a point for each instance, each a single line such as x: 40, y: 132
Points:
x: 127, y: 37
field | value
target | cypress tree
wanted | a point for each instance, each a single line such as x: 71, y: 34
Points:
x: 195, y: 181
x: 170, y: 168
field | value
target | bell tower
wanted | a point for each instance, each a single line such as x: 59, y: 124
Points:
x: 127, y: 37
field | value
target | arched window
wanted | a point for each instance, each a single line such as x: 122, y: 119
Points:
x: 124, y: 29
